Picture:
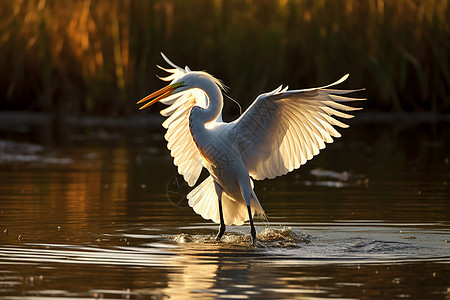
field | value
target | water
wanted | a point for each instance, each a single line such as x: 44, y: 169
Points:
x: 99, y: 213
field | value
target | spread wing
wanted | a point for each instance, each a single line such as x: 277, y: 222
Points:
x: 179, y: 139
x: 283, y: 129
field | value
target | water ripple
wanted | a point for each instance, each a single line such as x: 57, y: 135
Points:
x: 326, y: 244
x: 147, y: 256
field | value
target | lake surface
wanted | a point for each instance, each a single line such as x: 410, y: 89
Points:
x: 99, y: 212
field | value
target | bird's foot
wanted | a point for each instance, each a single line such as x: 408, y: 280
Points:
x: 218, y: 237
x: 220, y: 233
x: 253, y: 236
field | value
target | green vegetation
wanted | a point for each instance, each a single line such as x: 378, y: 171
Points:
x: 98, y: 57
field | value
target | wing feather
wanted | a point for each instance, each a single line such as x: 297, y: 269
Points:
x: 179, y: 139
x: 296, y: 152
x: 314, y: 132
x: 300, y: 151
x: 283, y: 129
x: 286, y: 146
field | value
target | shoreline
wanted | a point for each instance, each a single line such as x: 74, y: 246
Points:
x: 9, y: 119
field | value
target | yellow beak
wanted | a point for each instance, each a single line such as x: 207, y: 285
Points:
x: 160, y: 94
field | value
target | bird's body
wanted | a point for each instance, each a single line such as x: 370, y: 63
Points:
x: 280, y: 131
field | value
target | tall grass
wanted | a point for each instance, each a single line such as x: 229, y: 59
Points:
x: 98, y: 57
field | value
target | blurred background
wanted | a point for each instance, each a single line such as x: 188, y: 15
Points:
x: 83, y: 57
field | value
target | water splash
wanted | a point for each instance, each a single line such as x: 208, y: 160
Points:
x: 281, y: 237
x: 269, y: 237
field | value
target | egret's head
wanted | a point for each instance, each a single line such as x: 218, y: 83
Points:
x: 188, y: 81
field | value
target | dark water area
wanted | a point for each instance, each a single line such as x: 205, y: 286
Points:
x: 98, y: 211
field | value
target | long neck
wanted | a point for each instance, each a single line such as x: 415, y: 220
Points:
x: 200, y: 116
x: 215, y: 103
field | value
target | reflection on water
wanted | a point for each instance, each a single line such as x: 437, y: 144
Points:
x: 319, y: 259
x: 368, y: 218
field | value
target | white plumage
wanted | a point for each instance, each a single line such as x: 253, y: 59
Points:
x: 179, y: 140
x: 278, y: 133
x: 203, y: 199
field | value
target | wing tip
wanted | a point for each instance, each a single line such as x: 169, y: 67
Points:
x: 343, y: 78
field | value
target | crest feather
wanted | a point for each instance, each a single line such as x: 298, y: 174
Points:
x: 178, y: 72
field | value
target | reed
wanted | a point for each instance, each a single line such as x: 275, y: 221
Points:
x: 98, y: 57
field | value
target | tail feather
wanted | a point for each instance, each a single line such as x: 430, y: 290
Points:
x: 203, y: 199
x: 256, y: 206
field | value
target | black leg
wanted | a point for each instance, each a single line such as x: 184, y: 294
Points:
x: 222, y: 222
x: 252, y: 227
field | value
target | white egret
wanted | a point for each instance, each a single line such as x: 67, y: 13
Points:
x: 278, y: 133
